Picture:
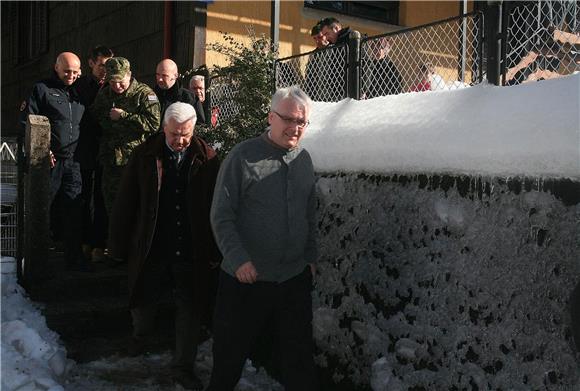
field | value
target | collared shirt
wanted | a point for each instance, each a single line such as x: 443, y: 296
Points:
x: 177, y: 155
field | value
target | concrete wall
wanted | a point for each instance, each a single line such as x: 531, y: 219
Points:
x: 447, y: 283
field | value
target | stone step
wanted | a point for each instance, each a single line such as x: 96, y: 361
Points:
x: 62, y: 285
x: 86, y: 349
x: 98, y: 316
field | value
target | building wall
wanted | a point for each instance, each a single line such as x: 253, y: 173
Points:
x: 132, y: 29
x: 296, y: 21
x: 416, y: 13
x: 447, y: 282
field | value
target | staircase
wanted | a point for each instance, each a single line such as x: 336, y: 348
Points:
x: 89, y: 310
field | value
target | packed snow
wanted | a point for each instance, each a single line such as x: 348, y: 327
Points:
x: 529, y: 129
x: 32, y: 356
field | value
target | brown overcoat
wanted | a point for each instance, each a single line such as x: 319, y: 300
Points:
x: 134, y: 217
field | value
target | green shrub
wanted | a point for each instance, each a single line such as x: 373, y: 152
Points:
x: 250, y: 75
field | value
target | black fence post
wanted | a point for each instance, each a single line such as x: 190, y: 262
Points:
x: 493, y: 41
x: 480, y: 47
x: 507, y: 7
x: 353, y: 66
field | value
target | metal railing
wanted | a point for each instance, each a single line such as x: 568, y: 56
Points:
x: 542, y: 41
x: 221, y: 93
x: 9, y: 198
x: 443, y: 55
x: 322, y: 74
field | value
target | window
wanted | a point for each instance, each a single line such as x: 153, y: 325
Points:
x: 381, y: 11
x: 32, y: 30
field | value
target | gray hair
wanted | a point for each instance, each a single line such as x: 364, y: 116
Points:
x: 196, y: 78
x: 294, y: 93
x: 180, y: 112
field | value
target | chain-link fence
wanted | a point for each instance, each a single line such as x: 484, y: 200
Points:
x: 441, y: 55
x: 8, y: 198
x: 542, y: 41
x: 322, y: 74
x: 221, y: 94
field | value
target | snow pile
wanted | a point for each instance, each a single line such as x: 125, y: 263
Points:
x: 32, y: 358
x: 531, y: 130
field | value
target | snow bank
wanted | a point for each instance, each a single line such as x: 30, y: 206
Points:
x: 32, y: 357
x: 528, y: 130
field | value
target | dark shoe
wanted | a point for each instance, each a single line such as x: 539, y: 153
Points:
x: 136, y: 347
x: 114, y: 262
x: 187, y: 379
x: 87, y: 249
x: 98, y: 255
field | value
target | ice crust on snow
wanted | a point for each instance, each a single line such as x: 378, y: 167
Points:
x: 526, y: 130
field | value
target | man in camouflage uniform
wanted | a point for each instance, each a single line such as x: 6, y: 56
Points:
x: 128, y: 112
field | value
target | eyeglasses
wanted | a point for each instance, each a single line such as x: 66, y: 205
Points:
x: 298, y: 122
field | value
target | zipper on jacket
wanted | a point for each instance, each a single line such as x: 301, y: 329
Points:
x: 70, y: 117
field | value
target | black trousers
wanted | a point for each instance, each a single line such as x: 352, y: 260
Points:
x: 66, y: 183
x: 241, y: 314
x: 94, y: 214
x: 159, y: 278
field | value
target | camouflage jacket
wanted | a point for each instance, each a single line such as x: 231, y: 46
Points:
x: 140, y: 120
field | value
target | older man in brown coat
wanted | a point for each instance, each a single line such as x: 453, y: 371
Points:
x: 160, y: 224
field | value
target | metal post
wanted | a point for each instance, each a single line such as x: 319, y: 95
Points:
x: 37, y: 198
x: 463, y: 41
x: 505, y: 11
x: 353, y: 66
x: 275, y: 23
x: 493, y: 41
x: 480, y: 43
x: 275, y: 35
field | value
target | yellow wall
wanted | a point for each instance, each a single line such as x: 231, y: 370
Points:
x: 296, y: 21
x: 416, y: 13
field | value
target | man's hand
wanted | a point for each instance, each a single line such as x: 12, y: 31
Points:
x: 247, y: 273
x: 52, y: 159
x: 115, y: 114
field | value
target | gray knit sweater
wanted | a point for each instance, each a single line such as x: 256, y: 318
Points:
x: 263, y: 209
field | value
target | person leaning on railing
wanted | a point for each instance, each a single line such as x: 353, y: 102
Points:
x: 383, y: 76
x: 325, y: 77
x: 314, y: 84
x: 543, y: 62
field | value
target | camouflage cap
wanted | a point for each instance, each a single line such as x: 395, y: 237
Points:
x: 117, y: 68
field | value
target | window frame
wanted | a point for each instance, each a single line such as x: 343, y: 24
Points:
x: 391, y: 14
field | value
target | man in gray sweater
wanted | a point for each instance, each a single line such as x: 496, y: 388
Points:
x: 263, y: 218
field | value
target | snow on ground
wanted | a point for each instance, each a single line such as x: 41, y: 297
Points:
x: 33, y: 358
x: 151, y: 372
x: 530, y: 129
